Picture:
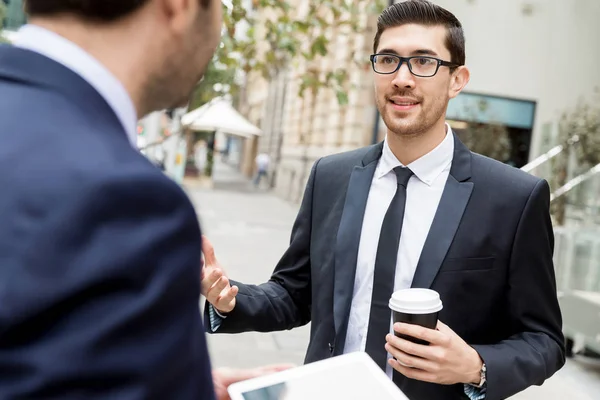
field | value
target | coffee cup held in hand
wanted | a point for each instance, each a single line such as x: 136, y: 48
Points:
x: 416, y: 306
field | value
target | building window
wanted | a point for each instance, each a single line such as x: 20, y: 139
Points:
x: 497, y: 127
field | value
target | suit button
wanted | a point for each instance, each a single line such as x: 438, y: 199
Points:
x: 331, y: 348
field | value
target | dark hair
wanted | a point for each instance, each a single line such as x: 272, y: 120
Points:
x: 423, y: 12
x: 96, y: 10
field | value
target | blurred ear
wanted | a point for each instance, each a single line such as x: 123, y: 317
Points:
x: 179, y: 14
x: 459, y: 80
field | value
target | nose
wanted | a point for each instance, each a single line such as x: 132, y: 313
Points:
x: 403, y: 77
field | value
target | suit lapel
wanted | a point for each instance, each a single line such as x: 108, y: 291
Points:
x: 348, y: 239
x: 452, y: 206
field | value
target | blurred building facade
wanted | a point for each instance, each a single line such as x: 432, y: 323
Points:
x: 530, y: 61
x: 299, y: 130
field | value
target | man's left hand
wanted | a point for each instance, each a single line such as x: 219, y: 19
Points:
x: 447, y: 360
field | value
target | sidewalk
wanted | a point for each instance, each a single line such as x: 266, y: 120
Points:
x: 250, y: 230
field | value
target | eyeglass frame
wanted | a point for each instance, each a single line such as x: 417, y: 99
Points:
x: 406, y: 60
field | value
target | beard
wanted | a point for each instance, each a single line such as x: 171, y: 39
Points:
x: 176, y: 79
x: 413, y: 122
x: 174, y: 85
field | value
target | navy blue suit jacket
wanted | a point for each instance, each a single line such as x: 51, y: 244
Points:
x: 99, y: 251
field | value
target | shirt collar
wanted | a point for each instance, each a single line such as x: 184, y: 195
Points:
x: 428, y: 167
x: 65, y: 52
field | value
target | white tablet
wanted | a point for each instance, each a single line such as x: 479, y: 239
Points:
x: 353, y: 376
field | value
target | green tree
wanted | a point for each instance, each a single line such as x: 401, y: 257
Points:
x: 281, y: 35
x: 217, y: 81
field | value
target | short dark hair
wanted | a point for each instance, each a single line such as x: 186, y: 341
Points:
x: 95, y: 10
x: 424, y: 12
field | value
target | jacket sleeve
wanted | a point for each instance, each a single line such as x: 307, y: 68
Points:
x: 284, y: 301
x: 536, y: 349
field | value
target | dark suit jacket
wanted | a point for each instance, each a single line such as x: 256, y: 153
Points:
x: 488, y: 254
x: 99, y: 251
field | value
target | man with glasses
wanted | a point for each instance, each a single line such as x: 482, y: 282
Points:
x: 418, y: 210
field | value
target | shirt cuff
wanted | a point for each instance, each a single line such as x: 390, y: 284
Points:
x: 216, y: 318
x: 475, y: 393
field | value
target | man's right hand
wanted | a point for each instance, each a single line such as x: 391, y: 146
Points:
x: 215, y: 285
x: 224, y: 377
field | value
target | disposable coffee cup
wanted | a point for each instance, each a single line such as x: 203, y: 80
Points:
x: 417, y: 307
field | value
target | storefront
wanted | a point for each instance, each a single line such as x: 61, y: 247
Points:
x: 497, y: 127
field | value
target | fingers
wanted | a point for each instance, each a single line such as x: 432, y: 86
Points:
x: 228, y: 376
x: 412, y: 373
x: 410, y: 348
x: 277, y: 368
x: 444, y: 328
x: 209, y: 278
x: 223, y: 377
x: 226, y: 296
x: 215, y: 291
x: 221, y: 295
x: 416, y: 331
x: 209, y: 251
x: 408, y: 360
x: 262, y: 371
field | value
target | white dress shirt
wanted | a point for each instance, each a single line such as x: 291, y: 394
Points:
x: 423, y: 194
x: 65, y: 52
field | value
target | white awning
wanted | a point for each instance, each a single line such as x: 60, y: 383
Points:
x: 219, y: 115
x: 11, y: 36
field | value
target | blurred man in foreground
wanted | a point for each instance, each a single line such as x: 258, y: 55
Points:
x: 99, y: 284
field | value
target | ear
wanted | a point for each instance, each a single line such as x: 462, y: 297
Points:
x: 458, y: 81
x: 179, y: 14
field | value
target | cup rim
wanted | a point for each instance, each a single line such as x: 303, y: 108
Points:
x: 428, y: 306
x: 406, y: 310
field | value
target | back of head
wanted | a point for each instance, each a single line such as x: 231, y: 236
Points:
x: 424, y: 12
x: 92, y: 10
x: 158, y: 49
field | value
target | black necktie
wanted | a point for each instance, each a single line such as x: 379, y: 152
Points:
x: 385, y: 271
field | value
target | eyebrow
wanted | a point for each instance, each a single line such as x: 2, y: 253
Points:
x: 426, y: 52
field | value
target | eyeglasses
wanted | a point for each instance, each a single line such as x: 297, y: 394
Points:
x: 421, y: 66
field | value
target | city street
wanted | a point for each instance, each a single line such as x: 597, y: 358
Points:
x: 250, y: 230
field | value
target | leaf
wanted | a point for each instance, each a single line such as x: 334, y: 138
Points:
x: 301, y: 26
x: 342, y: 98
x: 288, y: 45
x: 319, y: 46
x: 337, y: 13
x: 306, y: 56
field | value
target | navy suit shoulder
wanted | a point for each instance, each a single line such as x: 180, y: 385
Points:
x: 344, y: 162
x: 346, y: 157
x: 501, y: 174
x: 331, y: 173
x: 99, y: 285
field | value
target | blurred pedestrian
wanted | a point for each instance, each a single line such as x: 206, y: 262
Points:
x: 262, y: 167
